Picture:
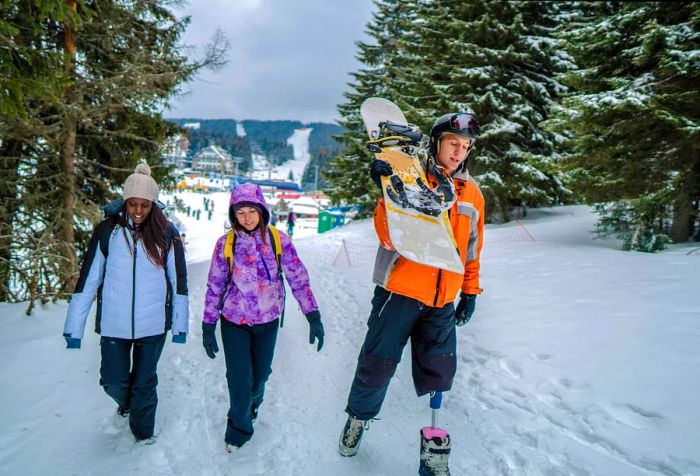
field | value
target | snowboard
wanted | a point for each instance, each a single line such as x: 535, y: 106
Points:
x: 417, y: 216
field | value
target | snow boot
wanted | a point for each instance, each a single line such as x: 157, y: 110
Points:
x: 434, y: 452
x: 145, y: 441
x: 120, y: 418
x: 352, y: 435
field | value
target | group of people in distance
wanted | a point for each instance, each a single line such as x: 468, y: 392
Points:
x: 135, y: 265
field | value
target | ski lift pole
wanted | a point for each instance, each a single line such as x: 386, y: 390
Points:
x: 435, y: 404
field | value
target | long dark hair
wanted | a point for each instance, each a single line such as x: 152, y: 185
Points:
x: 152, y: 233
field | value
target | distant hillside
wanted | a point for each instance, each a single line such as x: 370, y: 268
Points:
x: 268, y: 138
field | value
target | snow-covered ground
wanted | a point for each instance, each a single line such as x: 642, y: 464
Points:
x: 581, y: 360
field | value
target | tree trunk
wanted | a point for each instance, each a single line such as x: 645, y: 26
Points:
x: 68, y: 163
x: 9, y: 160
x: 684, y: 214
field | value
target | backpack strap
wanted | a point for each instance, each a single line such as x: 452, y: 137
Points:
x: 229, y: 250
x: 276, y: 245
x: 105, y: 235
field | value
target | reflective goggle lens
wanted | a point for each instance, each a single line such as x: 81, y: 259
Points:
x: 464, y: 122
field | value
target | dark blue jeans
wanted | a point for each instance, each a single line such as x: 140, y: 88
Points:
x: 395, y: 318
x: 128, y: 375
x: 248, y: 351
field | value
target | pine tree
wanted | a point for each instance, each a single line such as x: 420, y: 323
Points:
x: 349, y: 172
x: 31, y: 74
x: 632, y: 123
x: 495, y: 59
x: 121, y: 64
x: 498, y: 60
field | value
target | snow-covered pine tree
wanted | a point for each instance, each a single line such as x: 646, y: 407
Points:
x: 498, y: 60
x: 349, y: 172
x: 633, y: 118
x: 29, y: 75
x: 121, y: 63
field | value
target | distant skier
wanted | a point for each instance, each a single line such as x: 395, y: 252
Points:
x: 291, y: 222
x: 135, y: 263
x: 248, y: 299
x: 416, y: 301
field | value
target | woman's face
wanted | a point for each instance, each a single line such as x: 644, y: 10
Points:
x: 453, y: 151
x: 248, y: 217
x: 138, y: 209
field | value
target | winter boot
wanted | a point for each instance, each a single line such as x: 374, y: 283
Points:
x: 434, y: 452
x: 120, y: 418
x: 145, y: 441
x: 352, y: 435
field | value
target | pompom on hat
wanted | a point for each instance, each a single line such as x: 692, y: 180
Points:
x: 140, y: 184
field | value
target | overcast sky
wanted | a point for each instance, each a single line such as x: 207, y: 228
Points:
x: 289, y: 59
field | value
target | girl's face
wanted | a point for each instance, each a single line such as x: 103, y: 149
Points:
x: 248, y: 217
x: 453, y: 151
x: 138, y: 209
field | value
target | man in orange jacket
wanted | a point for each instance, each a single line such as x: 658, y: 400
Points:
x: 414, y: 300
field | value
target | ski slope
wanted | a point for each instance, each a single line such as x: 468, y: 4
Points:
x: 581, y: 360
x: 299, y: 141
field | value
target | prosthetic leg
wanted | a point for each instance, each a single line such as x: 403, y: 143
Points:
x: 434, y: 444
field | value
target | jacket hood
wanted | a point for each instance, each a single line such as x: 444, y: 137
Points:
x: 245, y: 195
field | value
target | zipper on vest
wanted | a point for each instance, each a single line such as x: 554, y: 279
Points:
x: 437, y: 288
x: 133, y: 294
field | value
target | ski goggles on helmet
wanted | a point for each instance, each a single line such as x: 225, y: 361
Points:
x: 464, y: 122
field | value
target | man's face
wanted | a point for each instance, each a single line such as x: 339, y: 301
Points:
x: 452, y: 152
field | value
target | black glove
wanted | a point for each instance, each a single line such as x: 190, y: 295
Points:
x: 377, y: 169
x: 209, y: 339
x: 465, y: 309
x: 315, y: 328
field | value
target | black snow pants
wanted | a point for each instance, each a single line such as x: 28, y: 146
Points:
x: 248, y: 351
x: 128, y: 375
x: 395, y: 318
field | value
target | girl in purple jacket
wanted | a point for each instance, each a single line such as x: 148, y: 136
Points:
x: 251, y: 305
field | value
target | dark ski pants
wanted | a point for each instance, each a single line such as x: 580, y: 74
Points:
x: 395, y: 318
x: 128, y: 375
x: 248, y: 351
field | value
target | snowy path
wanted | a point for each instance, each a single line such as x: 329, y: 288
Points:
x: 581, y: 360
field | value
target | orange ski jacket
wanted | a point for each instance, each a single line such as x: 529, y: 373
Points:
x: 433, y: 286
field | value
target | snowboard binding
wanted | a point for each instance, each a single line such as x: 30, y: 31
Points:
x: 390, y: 134
x: 411, y: 192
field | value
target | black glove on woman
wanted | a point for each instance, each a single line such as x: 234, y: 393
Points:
x: 315, y: 328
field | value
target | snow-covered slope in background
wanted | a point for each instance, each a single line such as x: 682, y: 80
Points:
x: 299, y: 141
x: 581, y: 360
x: 240, y: 130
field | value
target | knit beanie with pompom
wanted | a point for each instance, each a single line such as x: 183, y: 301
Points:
x: 140, y: 184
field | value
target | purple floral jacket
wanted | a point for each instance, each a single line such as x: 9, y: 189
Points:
x: 255, y: 294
